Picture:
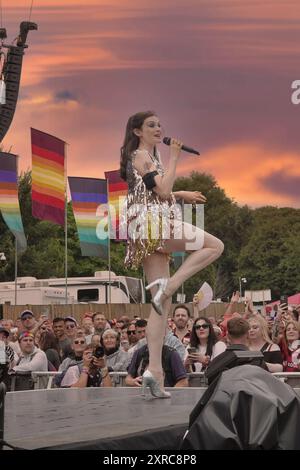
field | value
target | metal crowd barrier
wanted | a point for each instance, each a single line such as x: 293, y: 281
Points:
x: 44, y: 380
x: 290, y: 378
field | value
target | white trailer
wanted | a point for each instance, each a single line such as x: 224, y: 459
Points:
x: 102, y: 288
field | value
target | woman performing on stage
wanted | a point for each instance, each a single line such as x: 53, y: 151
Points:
x: 156, y: 229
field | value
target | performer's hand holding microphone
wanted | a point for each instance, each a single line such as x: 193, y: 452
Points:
x: 185, y: 148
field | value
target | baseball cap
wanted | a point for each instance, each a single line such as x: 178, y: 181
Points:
x: 5, y: 331
x: 26, y: 312
x: 71, y: 319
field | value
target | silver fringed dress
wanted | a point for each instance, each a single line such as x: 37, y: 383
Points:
x: 149, y: 218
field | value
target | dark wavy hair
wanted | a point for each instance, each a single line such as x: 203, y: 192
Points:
x: 131, y: 141
x: 211, y: 339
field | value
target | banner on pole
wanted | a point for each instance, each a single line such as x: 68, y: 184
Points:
x: 9, y: 201
x: 90, y: 208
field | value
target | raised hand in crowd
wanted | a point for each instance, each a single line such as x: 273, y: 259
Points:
x: 249, y: 309
x: 235, y: 297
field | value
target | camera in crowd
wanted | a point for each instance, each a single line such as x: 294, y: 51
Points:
x: 99, y: 352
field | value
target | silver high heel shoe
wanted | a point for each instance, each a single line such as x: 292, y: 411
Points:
x: 156, y: 301
x: 151, y: 382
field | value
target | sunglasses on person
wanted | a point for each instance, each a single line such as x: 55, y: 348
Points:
x: 26, y: 317
x: 78, y: 341
x: 69, y: 327
x: 131, y: 332
x: 204, y: 326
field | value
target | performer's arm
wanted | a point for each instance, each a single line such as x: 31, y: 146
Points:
x: 190, y: 197
x: 178, y: 194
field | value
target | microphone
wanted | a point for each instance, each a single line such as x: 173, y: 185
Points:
x: 167, y: 141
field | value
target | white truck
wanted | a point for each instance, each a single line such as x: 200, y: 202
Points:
x: 102, y: 288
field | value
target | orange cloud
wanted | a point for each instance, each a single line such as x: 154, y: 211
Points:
x: 241, y: 168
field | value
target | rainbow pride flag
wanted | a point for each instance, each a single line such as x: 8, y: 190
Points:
x: 48, y: 177
x: 9, y: 201
x: 90, y: 208
x: 117, y: 190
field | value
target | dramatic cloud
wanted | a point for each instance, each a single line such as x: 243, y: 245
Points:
x: 218, y: 74
x: 282, y: 183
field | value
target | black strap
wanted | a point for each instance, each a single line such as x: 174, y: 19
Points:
x: 149, y: 180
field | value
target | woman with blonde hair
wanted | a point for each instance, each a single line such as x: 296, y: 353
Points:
x: 259, y: 340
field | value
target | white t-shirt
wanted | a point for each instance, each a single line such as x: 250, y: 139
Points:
x: 217, y: 349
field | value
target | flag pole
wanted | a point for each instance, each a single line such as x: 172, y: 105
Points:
x: 109, y: 257
x: 16, y: 270
x: 182, y: 253
x: 66, y: 230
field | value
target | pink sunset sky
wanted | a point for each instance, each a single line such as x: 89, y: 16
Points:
x: 217, y: 72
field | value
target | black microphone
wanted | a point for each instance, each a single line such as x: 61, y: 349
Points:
x: 167, y: 141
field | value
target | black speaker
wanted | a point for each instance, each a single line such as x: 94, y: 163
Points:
x: 2, y: 399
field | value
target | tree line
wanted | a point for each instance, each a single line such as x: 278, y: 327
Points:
x: 261, y: 244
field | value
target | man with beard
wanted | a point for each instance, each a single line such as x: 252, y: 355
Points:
x: 181, y: 316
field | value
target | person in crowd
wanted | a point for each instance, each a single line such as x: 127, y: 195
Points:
x: 131, y: 333
x: 75, y: 357
x: 290, y: 347
x: 150, y: 189
x: 43, y: 324
x: 77, y: 347
x: 95, y: 342
x: 119, y: 324
x: 138, y: 338
x: 7, y: 323
x: 174, y: 372
x: 48, y: 344
x: 12, y: 341
x: 259, y: 340
x: 170, y: 323
x: 174, y: 342
x: 11, y: 356
x: 116, y: 359
x: 87, y: 324
x: 28, y: 322
x: 126, y: 320
x: 140, y: 329
x: 124, y: 342
x: 218, y: 333
x: 31, y: 358
x: 203, y: 347
x: 71, y: 326
x: 181, y: 316
x: 100, y: 323
x: 63, y: 342
x: 92, y: 371
x: 230, y: 312
x: 238, y: 340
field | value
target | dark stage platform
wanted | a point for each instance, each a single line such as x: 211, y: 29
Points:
x: 97, y: 418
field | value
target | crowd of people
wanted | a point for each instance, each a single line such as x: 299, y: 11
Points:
x: 86, y: 353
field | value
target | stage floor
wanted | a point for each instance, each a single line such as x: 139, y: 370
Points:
x: 98, y: 418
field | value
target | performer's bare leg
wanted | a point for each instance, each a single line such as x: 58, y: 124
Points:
x: 210, y: 248
x: 157, y: 265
